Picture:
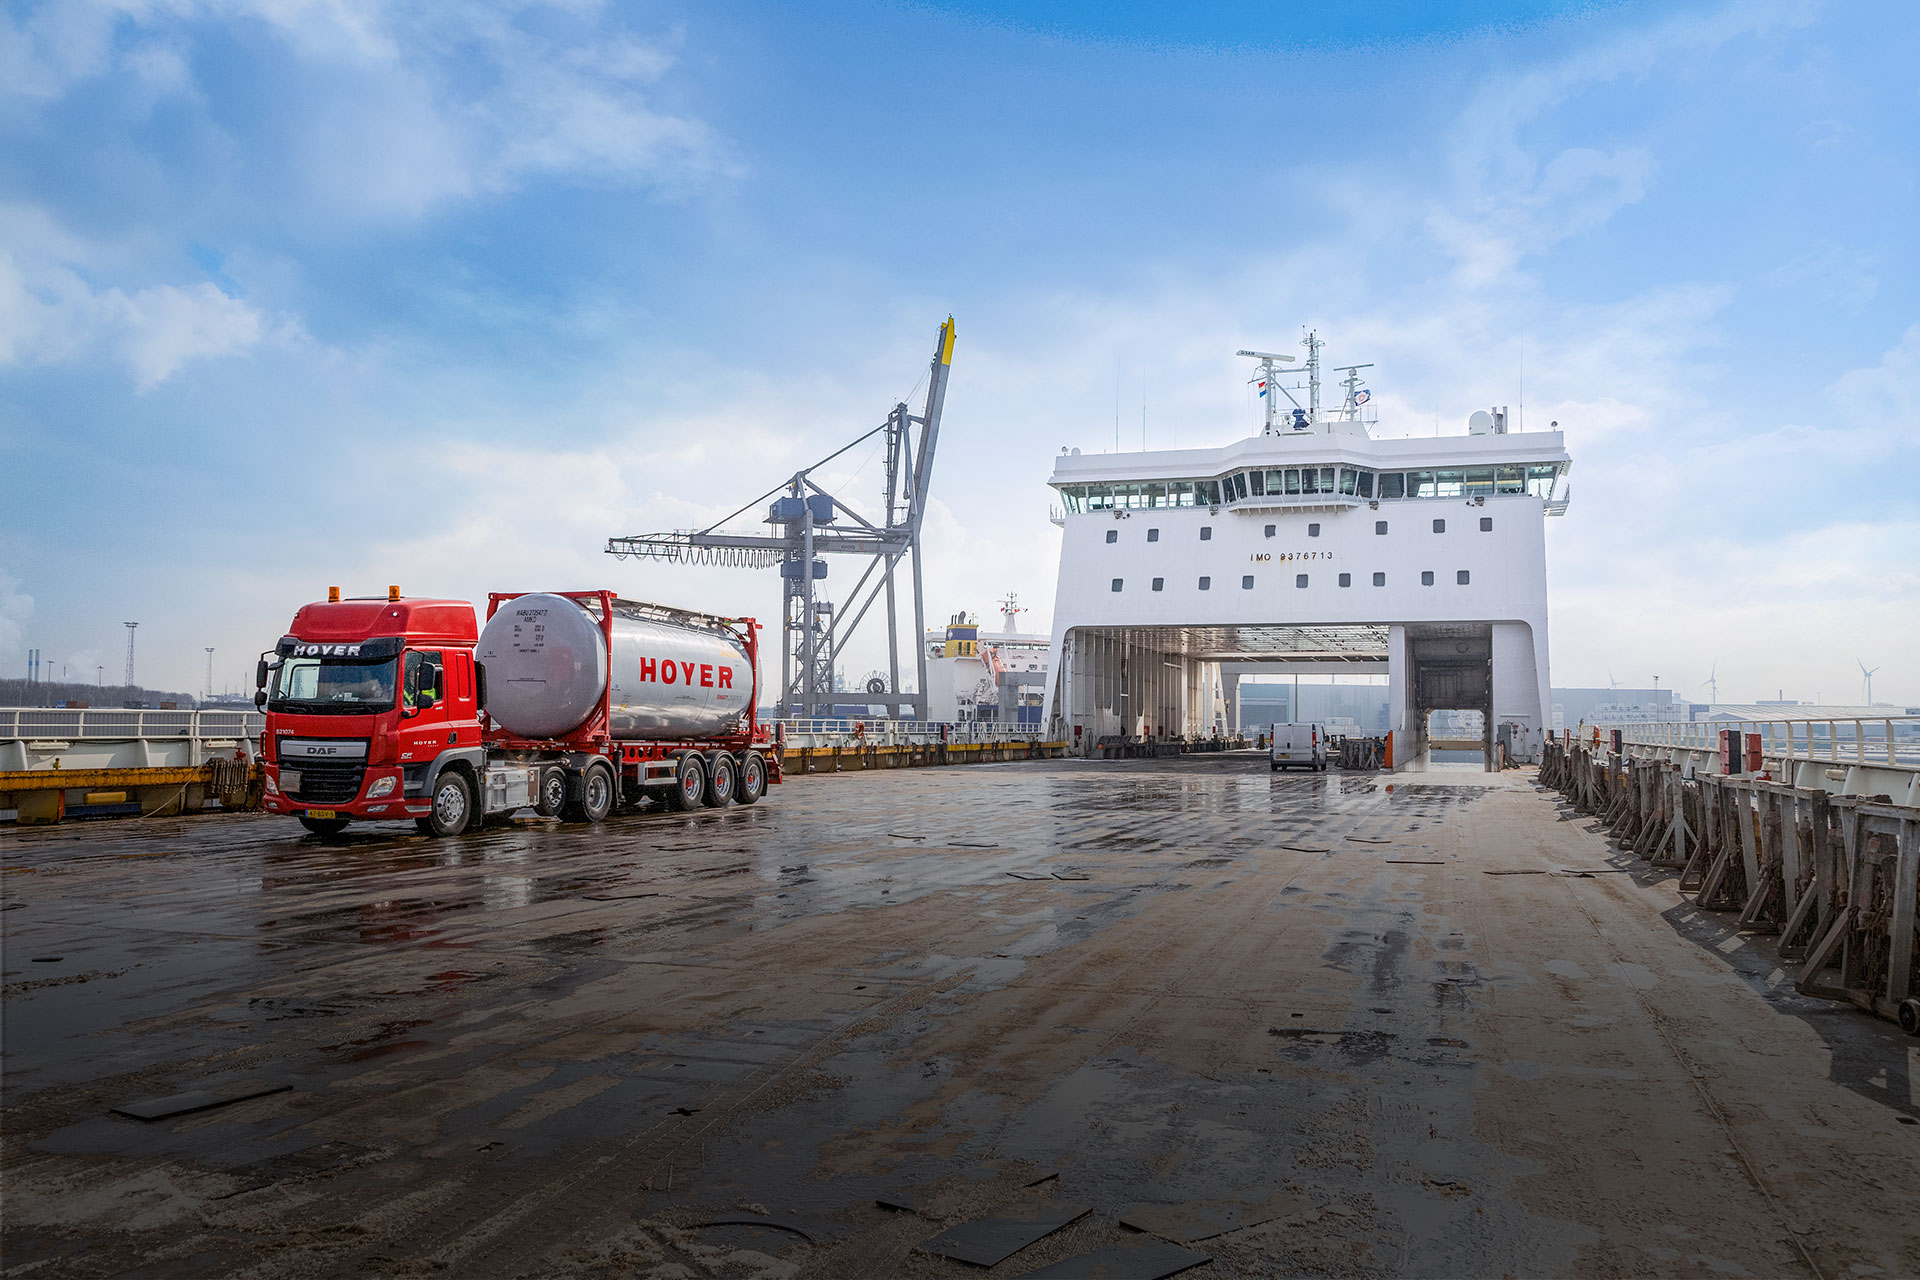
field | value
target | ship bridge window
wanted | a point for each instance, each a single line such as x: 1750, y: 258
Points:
x: 1366, y: 484
x: 1449, y: 484
x: 1349, y: 481
x: 1420, y: 485
x: 1293, y: 479
x: 1479, y: 482
x: 1239, y: 484
x: 1257, y: 482
x: 1540, y: 480
x: 1510, y: 480
x: 1393, y: 485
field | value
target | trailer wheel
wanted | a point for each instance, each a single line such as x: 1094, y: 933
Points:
x: 753, y: 778
x: 722, y: 778
x: 552, y: 797
x: 324, y: 827
x: 452, y: 810
x: 689, y: 782
x: 596, y: 796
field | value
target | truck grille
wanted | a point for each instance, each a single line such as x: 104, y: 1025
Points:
x: 332, y: 780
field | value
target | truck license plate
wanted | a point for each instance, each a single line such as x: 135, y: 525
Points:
x: 321, y: 813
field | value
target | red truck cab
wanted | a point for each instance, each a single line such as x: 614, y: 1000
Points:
x: 373, y: 711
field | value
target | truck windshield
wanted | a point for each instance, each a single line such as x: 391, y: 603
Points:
x: 332, y: 686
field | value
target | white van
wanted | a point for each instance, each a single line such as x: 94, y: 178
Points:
x: 1298, y: 746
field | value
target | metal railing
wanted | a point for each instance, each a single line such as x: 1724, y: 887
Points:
x: 1860, y: 740
x: 853, y: 731
x: 90, y: 724
x: 1861, y: 756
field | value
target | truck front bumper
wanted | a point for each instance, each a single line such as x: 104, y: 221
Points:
x: 380, y: 798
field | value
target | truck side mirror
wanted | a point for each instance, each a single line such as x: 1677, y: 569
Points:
x: 260, y: 699
x: 480, y: 686
x: 260, y: 674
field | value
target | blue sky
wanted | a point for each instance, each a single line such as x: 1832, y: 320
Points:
x: 294, y: 294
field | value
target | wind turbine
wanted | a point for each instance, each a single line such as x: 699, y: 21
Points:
x: 1713, y: 683
x: 1868, y: 677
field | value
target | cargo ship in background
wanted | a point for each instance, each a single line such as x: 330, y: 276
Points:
x: 988, y: 677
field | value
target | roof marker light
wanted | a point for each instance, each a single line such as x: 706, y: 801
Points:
x: 393, y: 593
x: 333, y: 595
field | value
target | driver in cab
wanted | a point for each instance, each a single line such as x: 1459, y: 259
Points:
x: 419, y: 692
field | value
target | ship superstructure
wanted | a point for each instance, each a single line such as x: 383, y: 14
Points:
x: 989, y: 675
x: 1311, y: 547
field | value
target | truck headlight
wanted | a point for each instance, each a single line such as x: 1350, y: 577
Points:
x: 272, y: 790
x: 381, y: 787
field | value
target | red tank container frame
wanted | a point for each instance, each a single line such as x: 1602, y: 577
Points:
x: 594, y: 735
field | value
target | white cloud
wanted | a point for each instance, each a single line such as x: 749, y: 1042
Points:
x: 51, y: 313
x: 414, y: 106
x: 16, y: 612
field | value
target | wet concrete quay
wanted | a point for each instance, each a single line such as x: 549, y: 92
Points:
x: 1306, y: 1024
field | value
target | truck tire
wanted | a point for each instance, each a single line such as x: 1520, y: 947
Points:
x: 753, y: 778
x: 453, y: 807
x: 689, y: 783
x: 551, y: 799
x: 324, y: 827
x: 596, y: 796
x: 722, y: 781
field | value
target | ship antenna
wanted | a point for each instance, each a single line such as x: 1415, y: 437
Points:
x: 1313, y: 344
x: 1351, y: 409
x: 1269, y: 383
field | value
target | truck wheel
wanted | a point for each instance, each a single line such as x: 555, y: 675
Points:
x: 596, y: 796
x: 452, y: 809
x: 721, y: 780
x: 324, y: 826
x: 753, y: 778
x: 689, y: 783
x: 552, y: 797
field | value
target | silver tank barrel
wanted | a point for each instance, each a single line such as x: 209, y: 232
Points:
x: 547, y: 665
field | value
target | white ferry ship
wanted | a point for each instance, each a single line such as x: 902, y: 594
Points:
x: 1312, y: 548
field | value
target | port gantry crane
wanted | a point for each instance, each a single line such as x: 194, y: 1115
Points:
x: 809, y: 523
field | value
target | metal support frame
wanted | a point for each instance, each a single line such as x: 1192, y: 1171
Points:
x: 814, y: 633
x: 1836, y: 878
